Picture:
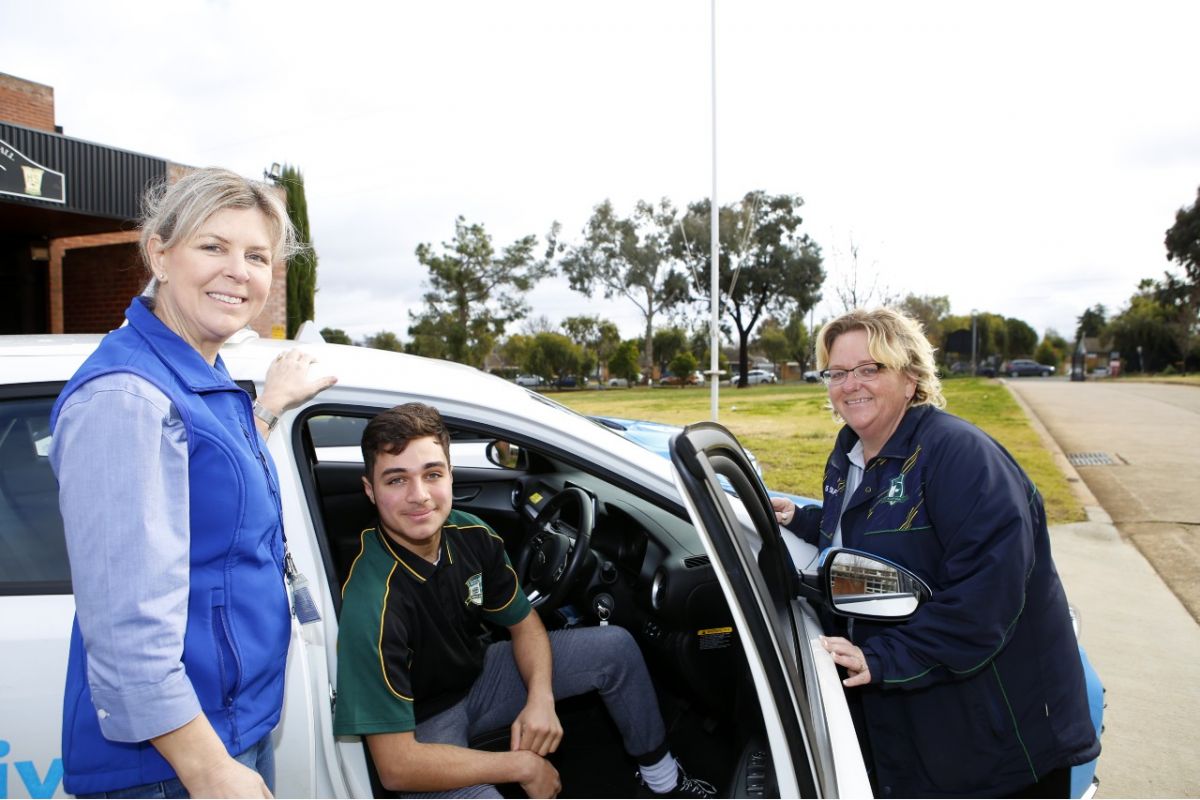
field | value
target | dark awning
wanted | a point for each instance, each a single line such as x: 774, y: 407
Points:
x: 101, y: 187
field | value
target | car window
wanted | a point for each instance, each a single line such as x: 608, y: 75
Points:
x: 33, y: 551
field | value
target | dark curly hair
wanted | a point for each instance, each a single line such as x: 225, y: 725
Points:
x: 390, y: 432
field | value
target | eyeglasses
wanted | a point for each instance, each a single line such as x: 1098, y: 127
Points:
x: 863, y: 373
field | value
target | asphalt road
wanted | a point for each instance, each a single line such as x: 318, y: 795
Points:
x: 1133, y: 569
x: 1151, y: 433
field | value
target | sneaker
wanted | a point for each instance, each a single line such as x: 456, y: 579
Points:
x: 685, y: 786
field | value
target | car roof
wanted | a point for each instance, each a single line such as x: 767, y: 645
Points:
x: 367, y: 376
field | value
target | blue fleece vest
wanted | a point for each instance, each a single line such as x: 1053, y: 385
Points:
x: 238, y: 625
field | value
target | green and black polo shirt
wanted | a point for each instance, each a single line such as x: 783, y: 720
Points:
x: 408, y: 644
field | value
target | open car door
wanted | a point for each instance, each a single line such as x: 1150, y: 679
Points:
x: 814, y: 751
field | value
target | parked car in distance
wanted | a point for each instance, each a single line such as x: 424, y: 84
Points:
x: 529, y: 380
x: 571, y: 382
x: 754, y: 377
x: 695, y: 378
x: 812, y: 376
x: 1020, y: 367
x: 984, y: 369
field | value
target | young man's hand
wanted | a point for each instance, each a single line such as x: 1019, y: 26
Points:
x: 537, y: 728
x: 543, y: 780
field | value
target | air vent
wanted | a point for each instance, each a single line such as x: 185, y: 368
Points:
x: 691, y: 562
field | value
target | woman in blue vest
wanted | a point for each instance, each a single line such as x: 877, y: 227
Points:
x: 171, y: 508
x: 981, y: 693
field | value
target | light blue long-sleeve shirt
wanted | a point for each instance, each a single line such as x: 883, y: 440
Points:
x: 121, y: 456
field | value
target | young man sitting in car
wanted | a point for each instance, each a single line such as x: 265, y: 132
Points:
x: 413, y: 677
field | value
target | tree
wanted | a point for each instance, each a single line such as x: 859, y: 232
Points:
x: 1147, y: 323
x: 624, y: 362
x: 1046, y: 353
x: 1183, y: 294
x: 427, y: 337
x: 858, y: 287
x: 302, y: 266
x: 384, y: 340
x: 799, y: 342
x: 683, y: 365
x: 628, y: 257
x: 598, y: 339
x: 552, y: 356
x: 336, y: 336
x: 1183, y: 240
x: 515, y: 348
x: 1054, y: 347
x: 931, y: 311
x: 473, y: 292
x: 668, y: 342
x: 1091, y: 322
x: 772, y: 342
x: 1019, y: 338
x: 766, y: 264
x: 1179, y: 300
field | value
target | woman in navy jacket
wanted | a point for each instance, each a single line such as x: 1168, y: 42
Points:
x: 171, y: 508
x: 982, y: 692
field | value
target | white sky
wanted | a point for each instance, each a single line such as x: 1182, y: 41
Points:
x: 1022, y: 158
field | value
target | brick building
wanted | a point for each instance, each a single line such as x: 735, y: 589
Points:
x: 69, y: 259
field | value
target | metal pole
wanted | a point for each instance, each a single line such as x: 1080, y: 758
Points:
x: 974, y: 366
x: 714, y: 362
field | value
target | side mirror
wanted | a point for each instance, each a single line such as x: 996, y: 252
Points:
x: 864, y: 586
x: 506, y: 455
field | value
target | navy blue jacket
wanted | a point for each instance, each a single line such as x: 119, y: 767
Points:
x: 982, y: 692
x: 238, y: 624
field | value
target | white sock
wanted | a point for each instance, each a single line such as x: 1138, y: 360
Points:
x: 661, y: 777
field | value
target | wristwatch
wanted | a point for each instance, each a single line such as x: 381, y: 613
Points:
x: 266, y: 415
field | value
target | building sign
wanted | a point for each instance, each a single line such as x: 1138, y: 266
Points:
x: 23, y: 177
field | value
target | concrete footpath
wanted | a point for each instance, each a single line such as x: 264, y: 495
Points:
x: 1140, y: 638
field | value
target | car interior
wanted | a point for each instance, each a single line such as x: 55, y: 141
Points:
x: 587, y: 548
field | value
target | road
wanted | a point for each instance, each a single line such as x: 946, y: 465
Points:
x: 1134, y: 568
x: 1151, y: 432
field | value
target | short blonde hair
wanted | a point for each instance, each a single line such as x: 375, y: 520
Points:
x: 894, y: 339
x: 175, y: 212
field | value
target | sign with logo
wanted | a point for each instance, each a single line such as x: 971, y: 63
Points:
x: 23, y: 177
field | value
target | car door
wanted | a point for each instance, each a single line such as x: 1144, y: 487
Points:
x: 36, y: 606
x: 814, y: 749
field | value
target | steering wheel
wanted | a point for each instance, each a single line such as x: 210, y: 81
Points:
x: 550, y: 562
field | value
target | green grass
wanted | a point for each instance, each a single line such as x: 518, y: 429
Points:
x: 791, y: 431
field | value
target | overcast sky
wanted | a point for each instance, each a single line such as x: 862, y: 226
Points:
x: 1021, y: 158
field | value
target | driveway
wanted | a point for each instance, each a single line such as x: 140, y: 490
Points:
x: 1135, y: 582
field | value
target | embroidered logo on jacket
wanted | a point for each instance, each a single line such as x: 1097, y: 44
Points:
x: 475, y: 589
x: 895, y: 493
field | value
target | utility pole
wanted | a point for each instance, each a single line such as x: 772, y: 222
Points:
x: 715, y: 339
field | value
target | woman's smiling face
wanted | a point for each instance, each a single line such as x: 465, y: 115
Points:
x: 217, y: 282
x: 873, y: 409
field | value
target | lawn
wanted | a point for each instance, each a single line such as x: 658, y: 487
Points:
x: 791, y: 432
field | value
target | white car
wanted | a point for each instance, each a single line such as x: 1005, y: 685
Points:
x: 529, y: 380
x: 670, y: 556
x: 755, y: 376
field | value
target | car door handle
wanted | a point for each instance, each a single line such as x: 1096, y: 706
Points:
x: 465, y: 494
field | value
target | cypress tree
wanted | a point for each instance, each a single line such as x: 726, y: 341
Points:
x: 302, y: 267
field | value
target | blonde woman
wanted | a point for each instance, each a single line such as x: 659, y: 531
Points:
x: 981, y: 693
x: 171, y: 511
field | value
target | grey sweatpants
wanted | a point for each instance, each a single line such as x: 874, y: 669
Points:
x: 604, y: 659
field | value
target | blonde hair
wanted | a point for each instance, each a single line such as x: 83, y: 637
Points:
x: 894, y: 339
x: 175, y: 212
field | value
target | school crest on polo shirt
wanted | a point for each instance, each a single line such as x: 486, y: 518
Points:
x: 475, y: 589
